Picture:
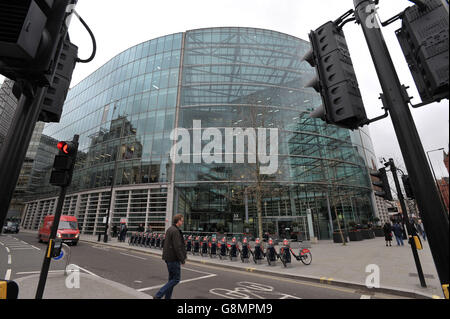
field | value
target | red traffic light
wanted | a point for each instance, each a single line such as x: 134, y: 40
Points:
x: 64, y: 147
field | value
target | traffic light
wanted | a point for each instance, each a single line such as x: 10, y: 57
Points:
x: 53, y: 101
x: 423, y: 38
x: 336, y: 79
x: 383, y: 183
x: 31, y: 34
x: 407, y: 185
x: 64, y: 164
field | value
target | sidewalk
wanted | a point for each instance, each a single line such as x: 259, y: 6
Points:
x: 91, y: 287
x: 338, y: 265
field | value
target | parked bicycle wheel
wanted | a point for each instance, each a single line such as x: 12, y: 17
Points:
x: 306, y: 258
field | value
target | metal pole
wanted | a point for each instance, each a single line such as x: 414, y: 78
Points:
x: 48, y: 252
x: 15, y: 147
x: 48, y: 255
x: 434, y: 174
x: 434, y: 218
x: 408, y: 224
x: 113, y: 182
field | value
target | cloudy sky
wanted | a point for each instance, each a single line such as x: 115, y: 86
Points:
x: 120, y: 24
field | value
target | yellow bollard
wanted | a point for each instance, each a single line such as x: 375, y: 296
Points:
x: 3, y: 289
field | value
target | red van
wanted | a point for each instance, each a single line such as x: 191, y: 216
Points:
x: 67, y: 231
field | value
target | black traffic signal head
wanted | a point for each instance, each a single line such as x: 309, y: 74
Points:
x: 382, y: 183
x: 336, y: 79
x: 53, y: 101
x: 64, y: 163
x: 407, y: 185
x: 31, y: 34
x: 67, y: 148
x: 424, y: 39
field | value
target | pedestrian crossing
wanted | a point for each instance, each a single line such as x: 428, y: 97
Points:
x: 14, y: 244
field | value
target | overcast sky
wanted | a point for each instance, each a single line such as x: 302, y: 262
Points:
x: 119, y: 24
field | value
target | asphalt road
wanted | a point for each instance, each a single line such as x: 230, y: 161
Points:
x: 22, y: 255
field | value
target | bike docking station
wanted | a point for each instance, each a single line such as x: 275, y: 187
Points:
x: 204, y: 246
x: 196, y: 246
x: 271, y: 254
x: 153, y: 241
x: 285, y: 254
x: 245, y: 251
x: 258, y: 252
x: 158, y: 241
x: 210, y: 246
x: 223, y: 248
x: 189, y: 244
x: 213, y: 247
x: 233, y: 249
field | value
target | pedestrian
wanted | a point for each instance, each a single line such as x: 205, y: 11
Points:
x: 123, y: 232
x: 421, y: 230
x: 387, y: 229
x: 174, y: 254
x: 398, y: 232
x: 141, y: 228
x: 114, y: 230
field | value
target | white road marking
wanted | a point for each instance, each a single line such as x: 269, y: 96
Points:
x: 2, y: 243
x: 37, y: 272
x: 87, y: 271
x: 181, y: 282
x: 133, y: 256
x: 7, y: 249
x: 251, y: 290
x: 9, y: 259
x: 201, y: 272
x: 365, y: 297
x: 8, y: 274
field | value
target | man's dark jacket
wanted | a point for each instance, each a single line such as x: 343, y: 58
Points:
x: 174, y: 249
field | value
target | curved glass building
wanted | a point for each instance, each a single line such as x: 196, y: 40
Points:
x: 243, y: 78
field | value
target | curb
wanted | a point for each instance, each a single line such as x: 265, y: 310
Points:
x: 320, y: 280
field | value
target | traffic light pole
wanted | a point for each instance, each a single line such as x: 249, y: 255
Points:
x: 15, y: 147
x: 406, y: 221
x: 48, y: 253
x: 434, y: 218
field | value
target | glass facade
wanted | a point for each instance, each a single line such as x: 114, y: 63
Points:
x: 227, y: 78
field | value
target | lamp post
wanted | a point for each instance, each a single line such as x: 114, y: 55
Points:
x: 434, y: 174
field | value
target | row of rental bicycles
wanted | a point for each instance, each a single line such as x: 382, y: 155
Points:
x: 210, y: 246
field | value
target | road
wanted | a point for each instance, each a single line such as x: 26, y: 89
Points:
x: 22, y: 255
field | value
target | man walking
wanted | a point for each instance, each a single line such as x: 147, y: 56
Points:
x: 398, y: 232
x: 174, y: 254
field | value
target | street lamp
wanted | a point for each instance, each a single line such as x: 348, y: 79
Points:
x: 434, y: 174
